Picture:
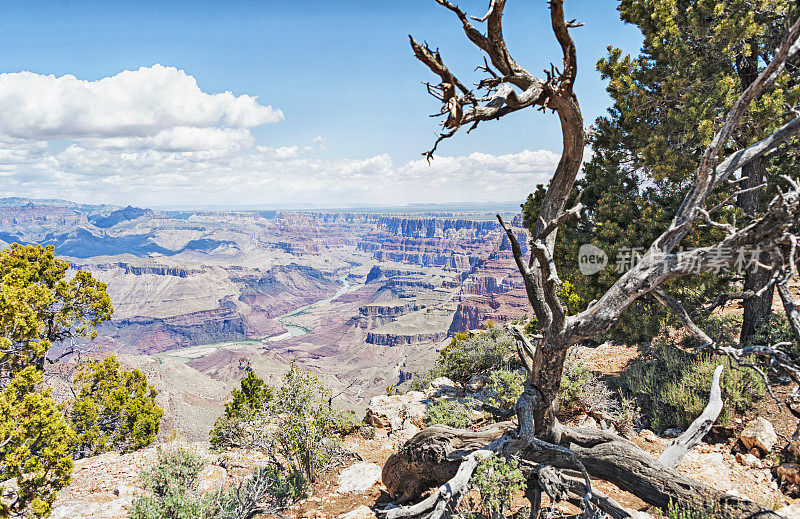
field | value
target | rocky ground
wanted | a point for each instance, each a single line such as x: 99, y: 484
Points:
x: 104, y: 487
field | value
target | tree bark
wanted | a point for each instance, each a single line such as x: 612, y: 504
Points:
x: 434, y: 456
x: 756, y: 308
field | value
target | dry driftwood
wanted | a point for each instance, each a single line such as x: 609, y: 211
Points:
x: 539, y: 438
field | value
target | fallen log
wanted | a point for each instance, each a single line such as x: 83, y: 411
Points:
x: 432, y: 458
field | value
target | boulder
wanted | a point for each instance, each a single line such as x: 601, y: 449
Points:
x: 212, y: 477
x: 359, y: 478
x: 760, y: 434
x: 748, y: 460
x: 442, y: 387
x: 397, y: 412
x: 362, y: 512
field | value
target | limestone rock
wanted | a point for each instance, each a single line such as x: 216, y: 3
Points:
x: 397, y: 412
x: 212, y: 477
x: 748, y: 460
x: 442, y: 387
x: 359, y: 478
x: 648, y: 435
x: 759, y: 433
x: 790, y: 512
x: 362, y: 512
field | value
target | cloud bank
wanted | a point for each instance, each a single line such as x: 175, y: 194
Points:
x: 153, y: 137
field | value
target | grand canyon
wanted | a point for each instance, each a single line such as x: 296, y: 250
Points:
x: 364, y: 296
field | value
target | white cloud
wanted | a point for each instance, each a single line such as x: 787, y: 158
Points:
x: 152, y: 137
x: 261, y: 175
x: 134, y: 103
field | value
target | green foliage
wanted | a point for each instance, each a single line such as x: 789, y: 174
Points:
x: 39, y: 307
x: 466, y: 355
x: 497, y: 479
x: 35, y: 444
x: 171, y: 485
x: 115, y: 409
x: 576, y: 380
x: 251, y: 396
x: 671, y: 386
x: 295, y: 423
x: 448, y: 412
x: 776, y: 329
x: 303, y: 413
x: 506, y: 384
x: 268, y: 489
x: 343, y: 422
x: 676, y: 512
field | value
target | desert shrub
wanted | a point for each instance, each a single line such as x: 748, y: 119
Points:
x: 497, y: 479
x: 466, y: 355
x: 343, y: 422
x: 448, y: 412
x: 171, y: 488
x: 245, y: 402
x: 776, y: 329
x: 297, y: 423
x: 582, y: 391
x: 676, y: 512
x: 35, y: 445
x: 506, y: 386
x: 115, y: 409
x: 269, y: 489
x: 671, y: 386
x: 724, y: 329
x: 575, y: 381
x: 421, y: 381
x: 252, y: 394
x: 367, y: 432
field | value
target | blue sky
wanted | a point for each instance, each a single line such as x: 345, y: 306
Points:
x: 353, y: 114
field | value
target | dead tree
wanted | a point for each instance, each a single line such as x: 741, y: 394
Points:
x: 539, y: 441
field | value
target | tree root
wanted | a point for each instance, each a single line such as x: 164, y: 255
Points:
x: 603, y: 454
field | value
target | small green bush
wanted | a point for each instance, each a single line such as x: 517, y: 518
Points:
x: 448, y: 412
x: 297, y: 423
x: 115, y: 409
x: 497, y: 479
x: 576, y: 380
x: 343, y: 422
x: 466, y: 355
x: 268, y: 490
x: 675, y: 512
x: 671, y: 386
x: 251, y: 396
x: 171, y: 487
x: 506, y: 386
x: 776, y: 329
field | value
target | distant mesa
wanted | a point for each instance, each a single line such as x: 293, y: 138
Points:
x: 120, y: 215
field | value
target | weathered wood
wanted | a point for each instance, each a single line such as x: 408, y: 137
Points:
x: 433, y: 456
x: 536, y: 407
x: 615, y: 459
x: 678, y: 447
x: 792, y: 315
x: 430, y: 460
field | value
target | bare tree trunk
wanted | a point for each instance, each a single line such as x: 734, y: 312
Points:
x: 540, y: 440
x: 756, y: 308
